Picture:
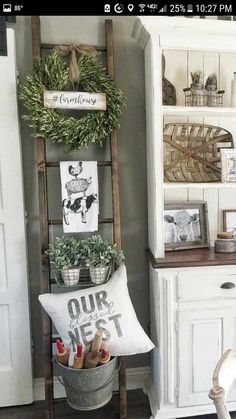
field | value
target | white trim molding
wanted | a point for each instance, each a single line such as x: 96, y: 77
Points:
x: 147, y: 26
x: 179, y: 33
x: 135, y: 379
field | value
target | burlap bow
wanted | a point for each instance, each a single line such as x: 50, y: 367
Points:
x: 72, y: 50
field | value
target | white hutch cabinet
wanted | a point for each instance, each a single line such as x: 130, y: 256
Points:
x: 193, y: 319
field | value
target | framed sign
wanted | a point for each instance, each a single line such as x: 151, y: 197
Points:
x: 74, y: 100
x: 229, y: 221
x: 228, y: 158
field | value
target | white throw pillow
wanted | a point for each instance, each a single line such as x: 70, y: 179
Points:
x: 77, y: 315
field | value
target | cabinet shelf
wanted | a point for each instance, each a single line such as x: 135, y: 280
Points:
x: 191, y: 258
x: 206, y: 185
x: 198, y: 111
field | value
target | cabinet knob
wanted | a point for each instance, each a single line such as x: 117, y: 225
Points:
x: 227, y: 285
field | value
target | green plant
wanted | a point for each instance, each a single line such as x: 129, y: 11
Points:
x: 96, y: 252
x: 64, y: 252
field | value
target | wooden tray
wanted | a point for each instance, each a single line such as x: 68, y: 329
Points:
x: 192, y: 152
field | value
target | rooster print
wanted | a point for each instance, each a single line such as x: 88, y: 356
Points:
x: 75, y: 170
x: 79, y: 186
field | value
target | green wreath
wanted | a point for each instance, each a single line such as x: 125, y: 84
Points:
x: 52, y: 73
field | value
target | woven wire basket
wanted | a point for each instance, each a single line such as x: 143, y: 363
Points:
x: 192, y: 152
x: 195, y: 97
x: 84, y: 279
x: 100, y: 275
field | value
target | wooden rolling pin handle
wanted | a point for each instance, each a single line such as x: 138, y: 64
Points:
x: 105, y: 357
x: 91, y: 360
x: 79, y: 357
x: 97, y: 341
x: 62, y: 353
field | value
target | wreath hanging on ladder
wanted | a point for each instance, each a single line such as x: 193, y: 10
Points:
x: 53, y: 73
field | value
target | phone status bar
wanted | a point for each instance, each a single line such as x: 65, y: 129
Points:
x: 120, y: 8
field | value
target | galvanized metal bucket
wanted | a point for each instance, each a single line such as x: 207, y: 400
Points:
x: 100, y: 275
x: 88, y: 389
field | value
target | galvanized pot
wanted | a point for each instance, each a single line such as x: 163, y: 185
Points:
x: 70, y: 276
x: 99, y: 275
x: 88, y: 389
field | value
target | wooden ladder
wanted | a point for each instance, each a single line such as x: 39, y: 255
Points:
x: 42, y: 166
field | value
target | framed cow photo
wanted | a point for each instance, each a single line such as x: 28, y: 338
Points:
x: 186, y: 225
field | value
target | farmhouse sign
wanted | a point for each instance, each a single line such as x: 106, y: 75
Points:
x: 74, y: 100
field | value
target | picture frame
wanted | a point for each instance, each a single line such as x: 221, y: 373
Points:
x: 186, y: 225
x: 228, y: 165
x: 229, y: 220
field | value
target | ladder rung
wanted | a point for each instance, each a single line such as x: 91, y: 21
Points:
x: 101, y: 163
x: 100, y: 221
x: 51, y: 46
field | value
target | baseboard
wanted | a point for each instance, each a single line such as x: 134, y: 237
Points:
x: 135, y: 379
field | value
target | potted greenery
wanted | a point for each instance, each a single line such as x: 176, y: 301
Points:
x: 98, y: 255
x: 64, y: 255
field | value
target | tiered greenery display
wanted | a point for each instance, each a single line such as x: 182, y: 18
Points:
x: 52, y: 73
x: 68, y: 252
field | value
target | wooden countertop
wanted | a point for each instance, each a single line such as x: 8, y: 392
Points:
x: 191, y: 258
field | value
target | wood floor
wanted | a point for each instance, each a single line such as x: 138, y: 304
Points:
x: 138, y: 408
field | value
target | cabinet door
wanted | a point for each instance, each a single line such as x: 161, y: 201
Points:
x: 203, y: 336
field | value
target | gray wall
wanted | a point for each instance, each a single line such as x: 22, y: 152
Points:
x: 129, y: 65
